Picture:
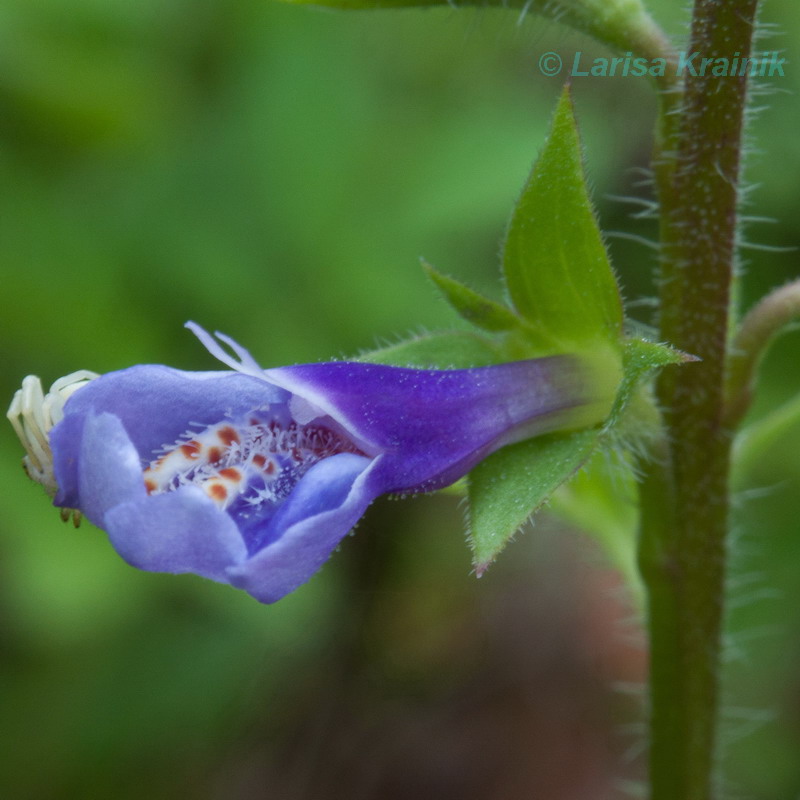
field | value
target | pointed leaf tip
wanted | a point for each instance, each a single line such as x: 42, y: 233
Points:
x: 554, y: 260
x: 473, y: 307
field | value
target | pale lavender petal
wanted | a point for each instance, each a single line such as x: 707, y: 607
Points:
x: 324, y: 506
x: 182, y: 531
x: 156, y: 404
x: 109, y: 471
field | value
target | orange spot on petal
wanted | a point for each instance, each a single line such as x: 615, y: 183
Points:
x: 151, y: 486
x: 217, y: 492
x: 227, y: 435
x: 214, y: 455
x: 230, y: 474
x: 191, y: 449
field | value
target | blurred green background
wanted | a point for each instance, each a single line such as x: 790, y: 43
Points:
x: 276, y: 172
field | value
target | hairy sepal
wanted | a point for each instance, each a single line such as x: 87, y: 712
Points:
x: 509, y: 487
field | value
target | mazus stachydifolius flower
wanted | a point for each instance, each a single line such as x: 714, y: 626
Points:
x: 252, y: 476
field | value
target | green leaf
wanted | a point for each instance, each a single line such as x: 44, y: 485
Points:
x: 448, y: 350
x: 510, y: 485
x: 555, y: 263
x: 473, y: 307
x: 766, y: 441
x: 620, y: 24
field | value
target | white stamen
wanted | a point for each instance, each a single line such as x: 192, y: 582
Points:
x: 33, y: 414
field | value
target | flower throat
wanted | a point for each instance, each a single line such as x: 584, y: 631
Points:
x: 253, y: 462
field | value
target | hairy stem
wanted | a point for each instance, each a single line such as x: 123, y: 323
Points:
x: 763, y: 322
x: 685, y: 495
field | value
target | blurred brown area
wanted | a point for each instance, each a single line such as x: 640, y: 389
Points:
x: 507, y: 689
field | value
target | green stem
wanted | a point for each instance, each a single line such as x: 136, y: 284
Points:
x: 762, y: 324
x: 685, y: 495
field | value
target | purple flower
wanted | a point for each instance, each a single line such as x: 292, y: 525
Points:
x: 252, y: 477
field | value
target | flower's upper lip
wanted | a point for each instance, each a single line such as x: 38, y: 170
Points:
x: 306, y: 403
x: 430, y: 424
